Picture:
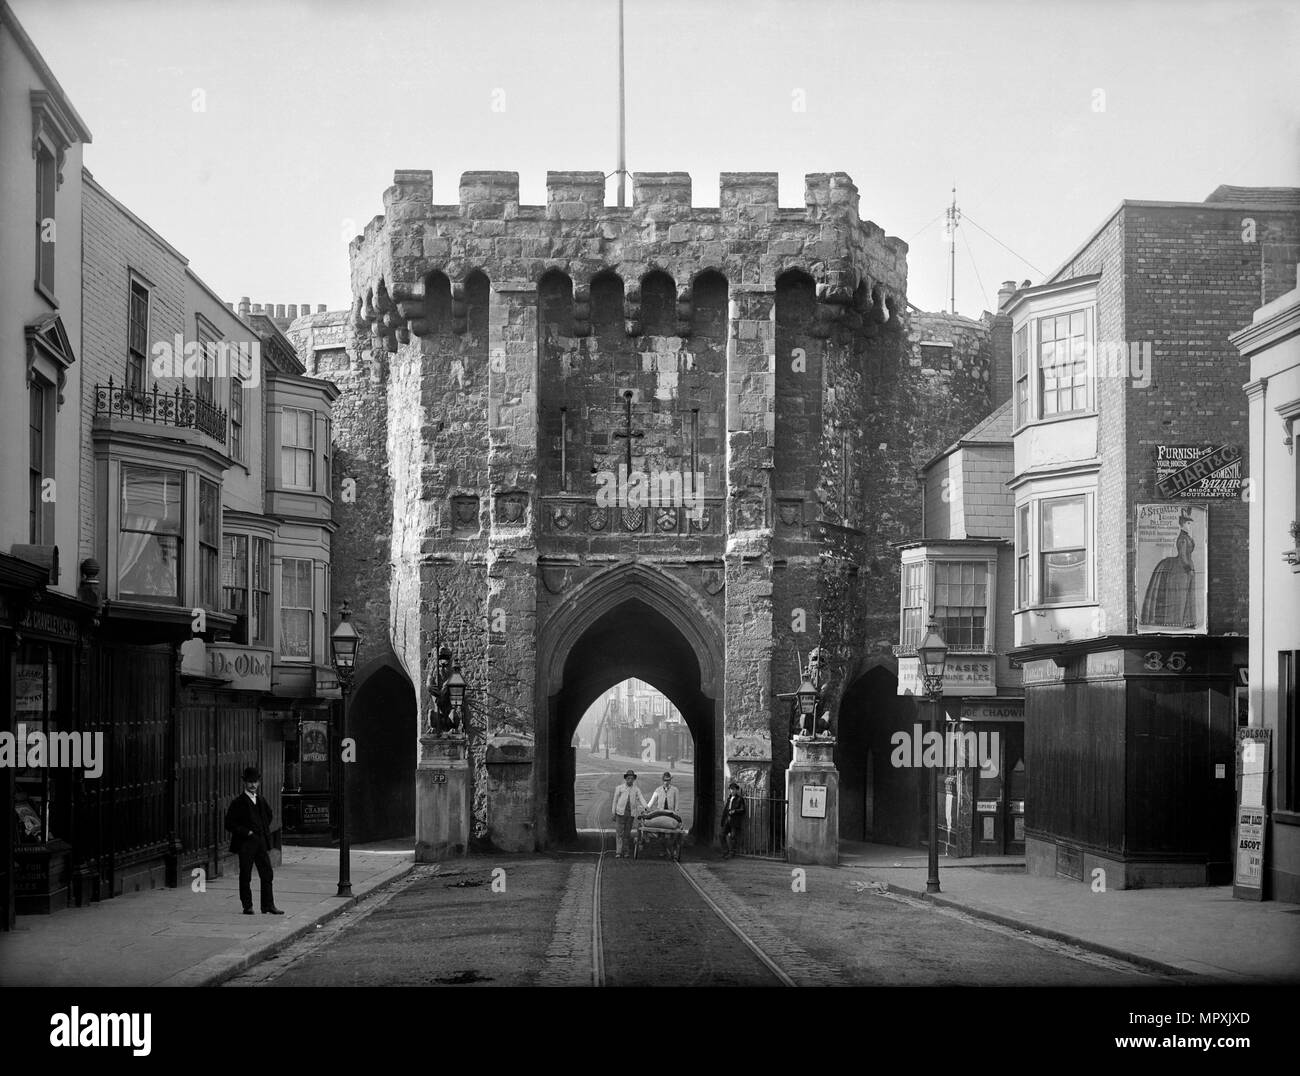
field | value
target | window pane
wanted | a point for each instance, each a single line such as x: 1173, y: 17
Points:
x: 148, y: 565
x: 1063, y: 524
x: 295, y: 633
x: 209, y: 512
x: 1064, y: 576
x: 151, y: 500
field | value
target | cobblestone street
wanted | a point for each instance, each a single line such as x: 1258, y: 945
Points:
x: 582, y: 920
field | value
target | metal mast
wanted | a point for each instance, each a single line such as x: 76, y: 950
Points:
x: 622, y: 133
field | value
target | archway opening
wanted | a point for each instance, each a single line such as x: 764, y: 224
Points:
x: 380, y: 785
x: 880, y: 802
x: 633, y: 726
x: 632, y: 641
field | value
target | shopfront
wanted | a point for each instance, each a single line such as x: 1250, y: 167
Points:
x: 47, y: 752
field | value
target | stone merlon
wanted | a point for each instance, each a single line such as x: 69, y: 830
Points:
x: 748, y: 237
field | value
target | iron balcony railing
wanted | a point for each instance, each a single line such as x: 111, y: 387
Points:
x: 179, y: 407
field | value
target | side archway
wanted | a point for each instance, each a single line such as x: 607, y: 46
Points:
x: 380, y: 784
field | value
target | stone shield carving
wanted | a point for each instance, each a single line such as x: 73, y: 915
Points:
x: 788, y: 513
x: 597, y: 519
x: 633, y: 519
x: 464, y: 513
x: 555, y: 579
x: 510, y: 508
x: 714, y: 580
x: 666, y: 519
x: 562, y: 517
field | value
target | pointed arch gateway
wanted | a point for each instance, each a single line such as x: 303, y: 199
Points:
x: 633, y: 620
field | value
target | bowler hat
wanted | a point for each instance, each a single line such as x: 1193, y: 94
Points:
x: 444, y: 654
x: 667, y: 776
x: 629, y: 774
x: 252, y: 773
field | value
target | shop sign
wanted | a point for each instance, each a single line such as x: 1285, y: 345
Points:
x: 245, y: 669
x: 1044, y: 671
x: 1013, y: 710
x: 962, y: 675
x: 1172, y: 568
x: 316, y: 814
x: 1198, y: 472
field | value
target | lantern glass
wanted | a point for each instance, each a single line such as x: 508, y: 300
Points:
x: 344, y: 643
x: 456, y: 686
x: 932, y: 652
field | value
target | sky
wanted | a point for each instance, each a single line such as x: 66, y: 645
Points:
x: 258, y: 138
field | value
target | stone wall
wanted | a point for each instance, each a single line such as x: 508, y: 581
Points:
x: 764, y: 348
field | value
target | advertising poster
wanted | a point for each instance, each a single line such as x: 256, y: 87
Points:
x: 315, y: 741
x: 1172, y: 563
x: 1198, y: 471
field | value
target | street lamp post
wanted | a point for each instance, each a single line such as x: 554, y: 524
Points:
x: 345, y: 643
x: 932, y: 654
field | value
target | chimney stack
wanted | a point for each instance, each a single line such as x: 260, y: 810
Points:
x: 1005, y: 292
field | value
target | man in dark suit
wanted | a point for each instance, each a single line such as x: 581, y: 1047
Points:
x: 249, y: 822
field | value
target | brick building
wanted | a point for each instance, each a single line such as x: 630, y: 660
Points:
x: 501, y: 366
x: 1131, y: 531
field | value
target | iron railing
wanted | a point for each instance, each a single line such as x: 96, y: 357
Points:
x: 179, y: 407
x: 763, y: 831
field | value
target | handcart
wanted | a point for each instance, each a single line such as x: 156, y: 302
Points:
x: 659, y: 827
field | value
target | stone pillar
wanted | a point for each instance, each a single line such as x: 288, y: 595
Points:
x: 442, y: 812
x: 747, y: 701
x: 812, y: 781
x: 509, y: 764
x: 511, y: 573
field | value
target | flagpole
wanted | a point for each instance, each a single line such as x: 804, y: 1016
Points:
x: 622, y: 139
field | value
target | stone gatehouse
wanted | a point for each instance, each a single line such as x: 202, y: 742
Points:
x: 577, y: 443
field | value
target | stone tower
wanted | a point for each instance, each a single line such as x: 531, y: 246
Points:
x: 506, y: 363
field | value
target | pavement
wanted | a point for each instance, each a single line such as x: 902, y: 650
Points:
x: 1200, y: 932
x: 184, y: 937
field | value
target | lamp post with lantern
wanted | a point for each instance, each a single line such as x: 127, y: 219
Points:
x: 932, y: 655
x: 345, y: 644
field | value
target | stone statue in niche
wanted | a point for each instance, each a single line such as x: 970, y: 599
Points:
x: 443, y: 718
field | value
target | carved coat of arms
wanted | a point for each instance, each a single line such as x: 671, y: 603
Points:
x: 510, y: 507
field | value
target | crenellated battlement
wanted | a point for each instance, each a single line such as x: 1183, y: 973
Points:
x: 749, y: 238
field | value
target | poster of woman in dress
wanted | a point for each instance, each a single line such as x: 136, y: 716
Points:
x: 1171, y: 568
